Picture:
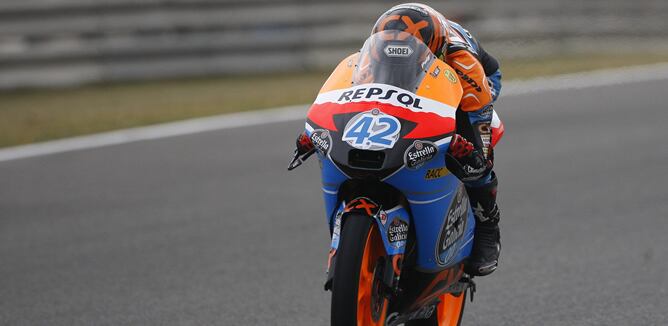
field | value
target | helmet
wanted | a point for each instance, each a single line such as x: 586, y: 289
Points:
x: 420, y: 20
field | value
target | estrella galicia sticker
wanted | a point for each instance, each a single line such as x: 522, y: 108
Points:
x: 401, y: 51
x: 321, y: 140
x: 372, y: 130
x: 397, y: 232
x: 419, y: 153
x: 453, y: 227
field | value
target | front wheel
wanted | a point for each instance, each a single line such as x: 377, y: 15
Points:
x: 356, y: 295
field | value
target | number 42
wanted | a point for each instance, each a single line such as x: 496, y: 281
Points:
x: 373, y: 131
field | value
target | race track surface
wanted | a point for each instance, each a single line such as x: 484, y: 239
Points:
x: 210, y: 229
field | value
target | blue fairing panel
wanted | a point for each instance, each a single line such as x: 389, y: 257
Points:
x: 332, y: 178
x: 439, y: 205
x: 394, y: 229
x: 393, y: 225
x: 433, y: 193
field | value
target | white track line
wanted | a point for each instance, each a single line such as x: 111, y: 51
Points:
x: 291, y: 113
x: 185, y: 127
x: 597, y: 78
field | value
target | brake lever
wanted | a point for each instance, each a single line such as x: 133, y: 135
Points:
x: 297, y: 160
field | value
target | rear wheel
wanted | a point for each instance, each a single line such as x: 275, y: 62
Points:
x: 356, y: 294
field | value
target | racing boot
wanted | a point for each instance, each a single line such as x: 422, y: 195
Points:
x: 487, y: 239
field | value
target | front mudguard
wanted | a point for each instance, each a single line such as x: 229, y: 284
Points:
x: 393, y: 225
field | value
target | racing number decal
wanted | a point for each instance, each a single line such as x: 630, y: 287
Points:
x: 359, y: 133
x: 372, y: 130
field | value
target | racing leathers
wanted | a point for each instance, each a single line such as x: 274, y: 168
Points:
x: 471, y: 157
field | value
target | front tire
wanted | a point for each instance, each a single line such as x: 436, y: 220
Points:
x: 356, y: 299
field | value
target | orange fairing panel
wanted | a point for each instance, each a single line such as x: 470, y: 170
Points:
x: 342, y: 76
x: 441, y: 84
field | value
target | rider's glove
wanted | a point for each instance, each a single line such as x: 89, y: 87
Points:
x: 465, y: 161
x: 304, y: 144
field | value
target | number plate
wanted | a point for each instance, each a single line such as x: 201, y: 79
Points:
x: 372, y: 130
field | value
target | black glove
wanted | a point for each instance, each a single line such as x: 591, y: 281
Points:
x: 465, y: 161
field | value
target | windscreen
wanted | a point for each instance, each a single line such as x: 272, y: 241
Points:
x: 395, y: 58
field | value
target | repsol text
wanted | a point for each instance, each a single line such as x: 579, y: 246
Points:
x: 375, y: 93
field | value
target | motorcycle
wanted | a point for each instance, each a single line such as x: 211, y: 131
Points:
x: 401, y: 224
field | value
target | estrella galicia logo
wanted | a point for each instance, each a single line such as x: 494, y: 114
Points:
x: 419, y: 153
x: 322, y: 140
x: 397, y: 232
x: 453, y: 227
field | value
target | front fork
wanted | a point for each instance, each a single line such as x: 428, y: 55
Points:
x: 393, y: 225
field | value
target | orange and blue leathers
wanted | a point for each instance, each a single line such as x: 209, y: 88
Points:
x: 480, y: 77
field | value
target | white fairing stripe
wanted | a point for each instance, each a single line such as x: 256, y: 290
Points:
x: 393, y: 209
x: 443, y: 141
x: 308, y: 127
x: 331, y: 192
x: 422, y: 202
x: 388, y: 95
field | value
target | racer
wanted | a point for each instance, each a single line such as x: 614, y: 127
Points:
x: 470, y: 156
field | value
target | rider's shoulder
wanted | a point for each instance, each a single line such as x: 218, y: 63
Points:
x: 460, y: 38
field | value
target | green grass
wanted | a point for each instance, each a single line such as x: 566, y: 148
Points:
x: 38, y: 115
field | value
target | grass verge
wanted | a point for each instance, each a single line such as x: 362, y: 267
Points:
x: 38, y: 115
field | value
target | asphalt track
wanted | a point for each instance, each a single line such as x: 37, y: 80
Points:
x: 210, y: 229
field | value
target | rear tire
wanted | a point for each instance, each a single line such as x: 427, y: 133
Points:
x: 355, y: 298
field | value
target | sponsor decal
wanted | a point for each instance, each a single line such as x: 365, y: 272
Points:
x: 377, y: 93
x: 398, y: 51
x: 471, y: 170
x: 321, y: 140
x: 450, y: 76
x: 336, y: 232
x: 435, y: 72
x: 382, y: 216
x: 485, y: 131
x: 453, y: 227
x: 479, y: 212
x: 469, y: 80
x: 422, y: 313
x: 397, y: 232
x: 372, y: 130
x: 486, y: 113
x: 364, y: 203
x: 437, y: 173
x: 419, y: 153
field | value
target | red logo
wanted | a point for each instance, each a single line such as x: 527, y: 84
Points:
x: 383, y: 218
